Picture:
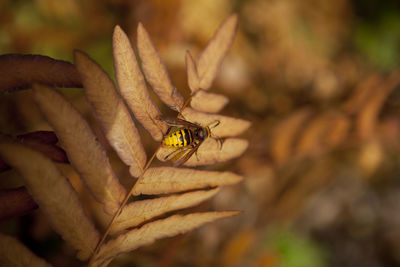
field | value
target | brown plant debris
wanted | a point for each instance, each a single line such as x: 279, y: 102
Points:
x: 210, y: 151
x: 227, y: 127
x: 15, y: 202
x: 165, y: 180
x: 22, y: 71
x: 208, y: 102
x: 138, y: 212
x: 42, y: 141
x: 55, y: 196
x: 283, y: 136
x: 155, y: 71
x: 148, y: 233
x: 85, y: 153
x: 14, y: 253
x: 133, y: 87
x: 211, y: 58
x: 112, y: 114
x: 192, y: 74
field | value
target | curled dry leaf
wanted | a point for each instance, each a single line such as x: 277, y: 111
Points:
x: 15, y: 202
x: 192, y: 75
x: 165, y: 180
x: 155, y: 71
x: 133, y: 87
x: 140, y: 211
x: 208, y: 102
x: 43, y: 141
x: 211, y: 58
x: 21, y: 71
x: 14, y: 253
x: 311, y: 139
x: 148, y: 233
x: 44, y: 137
x: 367, y: 116
x: 338, y: 131
x: 361, y: 94
x: 84, y: 152
x: 227, y: 126
x: 55, y: 196
x: 283, y: 136
x: 112, y: 114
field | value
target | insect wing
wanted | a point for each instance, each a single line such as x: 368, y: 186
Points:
x: 180, y: 123
x: 183, y: 156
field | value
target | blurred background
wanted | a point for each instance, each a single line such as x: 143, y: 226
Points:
x: 318, y: 80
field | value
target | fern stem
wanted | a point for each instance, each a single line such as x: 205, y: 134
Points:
x: 103, y: 238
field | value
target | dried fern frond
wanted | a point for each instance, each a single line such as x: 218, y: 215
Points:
x: 211, y: 152
x: 84, y: 152
x: 134, y: 222
x: 208, y: 102
x: 14, y: 253
x: 367, y: 116
x: 54, y: 195
x: 155, y: 71
x: 283, y: 136
x: 112, y: 114
x: 227, y: 127
x: 192, y: 74
x: 21, y: 71
x: 133, y: 87
x: 165, y: 180
x: 211, y: 58
x: 148, y: 233
x: 138, y: 212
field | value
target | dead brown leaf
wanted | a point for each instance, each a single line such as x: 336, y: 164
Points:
x: 208, y: 102
x: 14, y: 253
x: 191, y: 72
x: 43, y: 141
x: 210, y: 151
x: 148, y: 233
x: 211, y: 58
x: 55, y: 196
x: 313, y: 137
x: 15, y: 202
x: 155, y: 71
x: 85, y: 153
x: 112, y: 114
x: 368, y: 115
x: 133, y: 87
x: 22, y: 71
x: 138, y: 212
x: 284, y: 133
x: 165, y: 180
x: 227, y: 127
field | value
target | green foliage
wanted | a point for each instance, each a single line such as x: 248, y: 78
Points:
x: 294, y: 249
x: 379, y: 42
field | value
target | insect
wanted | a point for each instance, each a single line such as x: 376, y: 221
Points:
x: 186, y: 137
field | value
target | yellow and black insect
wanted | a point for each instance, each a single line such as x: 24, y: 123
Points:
x: 186, y: 137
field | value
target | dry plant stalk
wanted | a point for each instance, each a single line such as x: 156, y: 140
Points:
x: 89, y: 159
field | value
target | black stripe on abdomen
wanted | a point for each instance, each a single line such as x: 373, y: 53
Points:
x: 188, y: 137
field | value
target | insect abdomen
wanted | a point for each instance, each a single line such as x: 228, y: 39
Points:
x: 179, y: 138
